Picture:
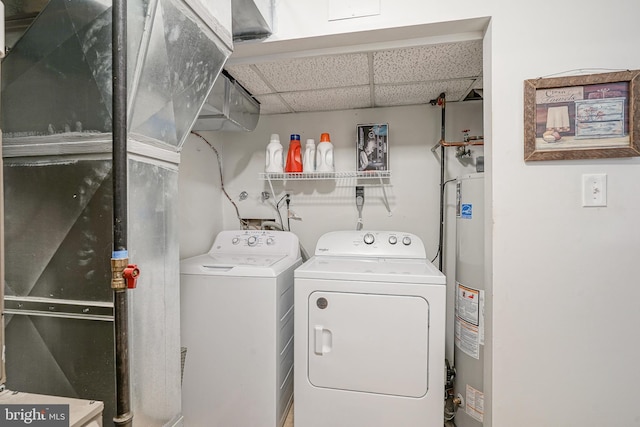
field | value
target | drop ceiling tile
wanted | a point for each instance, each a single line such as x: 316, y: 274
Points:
x: 442, y: 61
x: 419, y: 93
x: 329, y: 99
x: 249, y: 79
x: 318, y: 72
x: 272, y: 104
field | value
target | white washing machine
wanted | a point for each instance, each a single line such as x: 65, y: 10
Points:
x: 370, y: 331
x: 236, y: 313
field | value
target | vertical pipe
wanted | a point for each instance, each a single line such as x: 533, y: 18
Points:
x: 442, y: 102
x: 119, y: 100
x: 2, y: 371
x: 124, y: 416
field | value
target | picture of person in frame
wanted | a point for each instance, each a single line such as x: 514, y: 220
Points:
x: 372, y: 147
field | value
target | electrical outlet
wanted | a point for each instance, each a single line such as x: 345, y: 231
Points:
x: 594, y: 189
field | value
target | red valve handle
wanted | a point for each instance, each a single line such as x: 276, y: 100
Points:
x: 130, y: 275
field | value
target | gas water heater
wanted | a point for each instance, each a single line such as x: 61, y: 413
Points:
x: 469, y: 300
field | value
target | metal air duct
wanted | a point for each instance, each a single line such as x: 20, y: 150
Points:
x: 252, y: 19
x: 229, y: 107
x: 57, y: 120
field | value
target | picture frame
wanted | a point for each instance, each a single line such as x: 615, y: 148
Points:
x: 372, y: 150
x: 582, y: 117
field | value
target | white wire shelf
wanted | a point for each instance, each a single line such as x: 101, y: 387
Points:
x: 314, y: 176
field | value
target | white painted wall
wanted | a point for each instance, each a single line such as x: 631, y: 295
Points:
x: 565, y: 287
x: 564, y: 281
x: 200, y: 197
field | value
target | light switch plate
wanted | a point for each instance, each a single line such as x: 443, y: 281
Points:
x: 594, y: 189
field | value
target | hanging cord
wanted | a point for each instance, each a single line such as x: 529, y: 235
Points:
x: 243, y: 224
x: 584, y: 71
x: 288, y: 200
x: 359, y: 205
x: 359, y: 223
x: 277, y: 206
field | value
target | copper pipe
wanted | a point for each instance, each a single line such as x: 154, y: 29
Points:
x: 462, y: 144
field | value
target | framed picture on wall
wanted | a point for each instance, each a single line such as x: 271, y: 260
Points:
x: 582, y: 117
x: 372, y: 151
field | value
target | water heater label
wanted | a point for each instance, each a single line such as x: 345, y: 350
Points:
x: 474, y: 404
x: 469, y: 320
x: 466, y: 211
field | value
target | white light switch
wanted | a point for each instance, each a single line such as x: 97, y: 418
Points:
x: 594, y: 189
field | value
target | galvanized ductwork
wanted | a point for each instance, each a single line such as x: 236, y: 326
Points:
x: 57, y: 77
x: 229, y: 107
x: 57, y: 121
x: 252, y: 19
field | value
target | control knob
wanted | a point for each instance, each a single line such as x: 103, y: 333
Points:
x: 369, y: 239
x: 270, y: 241
x: 252, y: 240
x: 235, y: 240
x: 406, y: 240
x: 393, y: 240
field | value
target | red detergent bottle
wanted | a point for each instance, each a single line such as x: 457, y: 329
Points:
x: 294, y: 157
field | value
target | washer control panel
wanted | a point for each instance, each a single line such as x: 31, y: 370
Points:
x: 256, y: 241
x: 382, y: 244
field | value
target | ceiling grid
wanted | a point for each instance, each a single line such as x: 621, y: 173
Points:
x: 391, y: 77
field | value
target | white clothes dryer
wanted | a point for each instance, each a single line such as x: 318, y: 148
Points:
x: 369, y: 333
x: 236, y: 313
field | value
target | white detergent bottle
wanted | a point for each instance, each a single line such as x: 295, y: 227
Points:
x: 324, y: 154
x: 274, y: 162
x: 309, y: 157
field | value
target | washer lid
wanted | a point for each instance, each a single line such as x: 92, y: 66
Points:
x: 221, y: 261
x: 371, y: 270
x: 252, y: 265
x: 247, y: 253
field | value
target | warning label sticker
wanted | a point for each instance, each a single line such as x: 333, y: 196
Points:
x: 474, y: 403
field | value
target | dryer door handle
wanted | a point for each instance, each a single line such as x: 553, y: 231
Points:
x: 322, y: 339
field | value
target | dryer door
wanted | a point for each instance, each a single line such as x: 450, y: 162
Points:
x: 369, y: 343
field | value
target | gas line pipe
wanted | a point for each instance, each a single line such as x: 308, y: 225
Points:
x: 123, y: 274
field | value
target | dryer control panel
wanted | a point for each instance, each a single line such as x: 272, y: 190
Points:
x: 379, y: 244
x: 257, y: 242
